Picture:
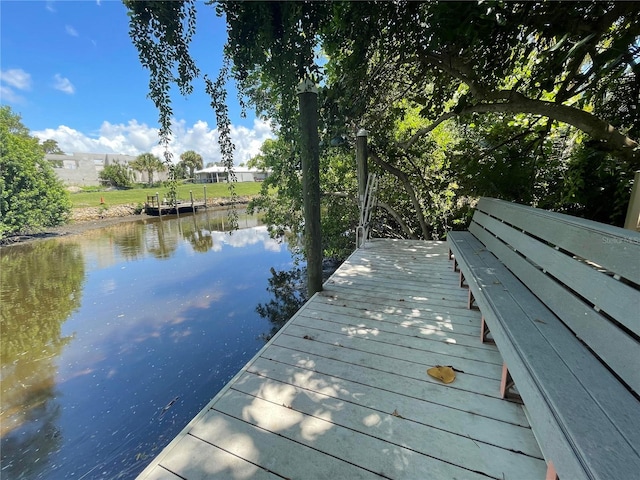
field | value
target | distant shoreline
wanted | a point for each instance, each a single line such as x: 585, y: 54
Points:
x: 91, y: 218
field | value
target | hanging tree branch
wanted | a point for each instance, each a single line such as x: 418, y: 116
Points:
x: 406, y: 183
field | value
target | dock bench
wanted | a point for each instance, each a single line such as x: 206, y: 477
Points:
x: 560, y: 297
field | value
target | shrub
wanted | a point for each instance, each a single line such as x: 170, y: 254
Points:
x: 31, y: 196
x: 117, y: 175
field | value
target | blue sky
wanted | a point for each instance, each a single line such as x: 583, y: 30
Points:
x: 70, y: 70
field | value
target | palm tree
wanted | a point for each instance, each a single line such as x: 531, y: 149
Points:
x: 192, y: 161
x: 148, y: 163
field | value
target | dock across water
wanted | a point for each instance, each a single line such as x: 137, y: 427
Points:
x: 342, y: 390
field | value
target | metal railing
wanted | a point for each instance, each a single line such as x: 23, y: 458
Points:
x: 367, y: 204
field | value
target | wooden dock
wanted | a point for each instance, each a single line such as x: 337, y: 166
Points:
x: 341, y: 392
x: 182, y: 207
x: 153, y: 206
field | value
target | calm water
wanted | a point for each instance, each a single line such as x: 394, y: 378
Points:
x: 113, y: 340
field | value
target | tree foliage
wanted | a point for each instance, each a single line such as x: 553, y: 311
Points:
x: 117, y: 175
x: 31, y: 196
x: 191, y: 161
x: 518, y: 100
x: 51, y: 146
x: 149, y: 164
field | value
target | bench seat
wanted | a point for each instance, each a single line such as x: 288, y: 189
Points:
x: 584, y: 413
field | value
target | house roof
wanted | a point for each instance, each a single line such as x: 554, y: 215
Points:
x: 218, y: 169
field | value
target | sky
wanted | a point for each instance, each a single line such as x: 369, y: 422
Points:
x: 70, y: 70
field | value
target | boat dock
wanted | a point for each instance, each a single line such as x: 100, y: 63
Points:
x: 342, y: 390
x: 154, y: 207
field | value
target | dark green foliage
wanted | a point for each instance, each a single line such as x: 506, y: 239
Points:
x: 596, y: 186
x: 31, y: 196
x: 116, y: 175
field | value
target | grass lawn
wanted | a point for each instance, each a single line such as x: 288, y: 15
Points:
x: 139, y: 195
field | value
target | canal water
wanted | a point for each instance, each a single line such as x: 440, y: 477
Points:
x: 112, y: 340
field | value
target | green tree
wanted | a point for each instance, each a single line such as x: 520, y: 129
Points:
x: 51, y: 146
x: 117, y: 175
x: 31, y: 196
x: 180, y: 171
x: 549, y: 68
x: 149, y: 164
x: 191, y: 161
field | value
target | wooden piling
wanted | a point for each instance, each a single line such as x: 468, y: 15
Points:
x: 308, y: 100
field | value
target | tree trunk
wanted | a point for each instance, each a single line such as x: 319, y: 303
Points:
x: 406, y: 182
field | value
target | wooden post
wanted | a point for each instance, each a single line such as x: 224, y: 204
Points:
x: 362, y: 169
x: 205, y: 196
x: 159, y: 206
x: 308, y: 100
x: 193, y: 207
x: 632, y: 221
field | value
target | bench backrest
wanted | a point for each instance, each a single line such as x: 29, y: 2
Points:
x: 586, y: 272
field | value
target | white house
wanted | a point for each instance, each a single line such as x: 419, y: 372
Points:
x: 218, y: 174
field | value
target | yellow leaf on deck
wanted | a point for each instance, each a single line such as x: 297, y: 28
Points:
x: 444, y: 374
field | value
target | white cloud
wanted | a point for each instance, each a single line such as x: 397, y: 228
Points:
x: 17, y: 78
x: 49, y: 6
x: 63, y: 84
x: 71, y: 31
x: 246, y: 236
x: 135, y: 138
x: 14, y: 78
x: 8, y: 95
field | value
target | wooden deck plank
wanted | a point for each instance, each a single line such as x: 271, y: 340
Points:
x: 446, y: 317
x: 321, y: 413
x: 445, y: 345
x: 438, y: 281
x: 397, y: 355
x: 383, y: 402
x: 269, y: 448
x: 426, y: 330
x: 415, y: 383
x: 322, y: 432
x: 342, y: 390
x: 201, y: 460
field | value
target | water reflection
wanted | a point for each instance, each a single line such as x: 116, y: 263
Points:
x: 288, y: 295
x: 112, y: 340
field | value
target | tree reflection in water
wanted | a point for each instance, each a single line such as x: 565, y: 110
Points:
x: 33, y: 308
x: 289, y: 294
x: 288, y: 289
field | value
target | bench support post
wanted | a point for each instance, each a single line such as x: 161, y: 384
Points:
x: 506, y: 386
x: 484, y: 333
x: 471, y: 302
x: 551, y: 472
